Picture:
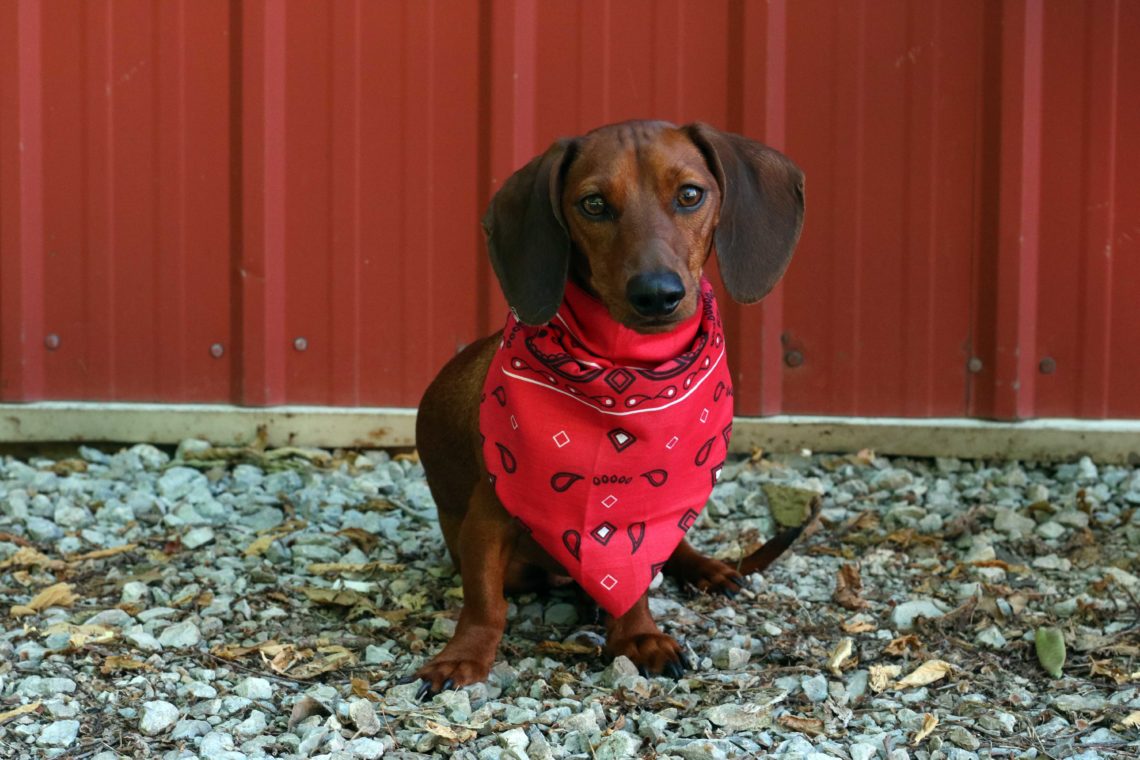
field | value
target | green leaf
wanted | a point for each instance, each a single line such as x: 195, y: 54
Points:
x: 1051, y: 650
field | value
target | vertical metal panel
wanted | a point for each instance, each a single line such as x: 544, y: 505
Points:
x: 278, y: 202
x: 882, y: 114
x: 115, y: 280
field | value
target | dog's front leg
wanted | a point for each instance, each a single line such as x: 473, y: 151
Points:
x: 485, y: 541
x: 637, y: 636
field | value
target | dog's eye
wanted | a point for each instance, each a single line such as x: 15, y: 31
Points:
x: 593, y: 205
x: 690, y: 196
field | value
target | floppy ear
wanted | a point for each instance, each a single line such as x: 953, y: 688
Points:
x: 761, y: 211
x: 526, y: 236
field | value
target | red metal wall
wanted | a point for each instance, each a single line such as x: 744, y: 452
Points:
x: 272, y: 202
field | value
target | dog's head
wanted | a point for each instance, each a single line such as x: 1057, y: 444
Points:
x: 632, y: 211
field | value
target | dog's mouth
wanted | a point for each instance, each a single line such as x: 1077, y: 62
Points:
x: 656, y: 324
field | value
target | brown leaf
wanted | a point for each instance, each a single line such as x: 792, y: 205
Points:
x: 929, y: 722
x: 80, y: 635
x: 882, y: 676
x: 306, y: 707
x: 335, y: 597
x: 29, y: 556
x: 69, y: 466
x: 116, y: 663
x: 928, y: 672
x: 58, y: 595
x: 362, y: 538
x: 904, y: 645
x: 102, y: 553
x: 364, y: 568
x: 457, y: 735
x: 31, y: 707
x: 570, y: 648
x: 848, y: 588
x: 855, y: 625
x: 842, y: 652
x: 331, y: 658
x: 361, y: 688
x: 809, y: 726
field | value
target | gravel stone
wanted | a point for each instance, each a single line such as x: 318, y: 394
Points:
x: 985, y: 552
x: 61, y: 733
x: 157, y: 716
x: 904, y: 615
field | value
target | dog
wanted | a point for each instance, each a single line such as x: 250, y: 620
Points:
x: 612, y: 229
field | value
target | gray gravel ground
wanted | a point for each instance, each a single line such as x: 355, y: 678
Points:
x: 232, y: 603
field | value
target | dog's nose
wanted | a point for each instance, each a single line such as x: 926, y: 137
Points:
x: 655, y: 294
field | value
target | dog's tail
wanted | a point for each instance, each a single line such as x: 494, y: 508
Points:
x: 758, y: 560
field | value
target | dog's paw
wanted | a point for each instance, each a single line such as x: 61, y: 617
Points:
x: 441, y: 675
x: 711, y: 576
x: 652, y: 653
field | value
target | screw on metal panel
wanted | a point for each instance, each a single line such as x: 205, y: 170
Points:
x: 1048, y: 365
x: 974, y: 365
x: 793, y: 358
x: 217, y: 350
x: 300, y: 344
x: 51, y: 341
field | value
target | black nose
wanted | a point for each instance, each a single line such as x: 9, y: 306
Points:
x: 655, y: 294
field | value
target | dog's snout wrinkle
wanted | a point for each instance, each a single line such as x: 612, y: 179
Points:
x: 655, y: 294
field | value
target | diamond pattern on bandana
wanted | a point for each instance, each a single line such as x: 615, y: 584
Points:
x: 611, y: 508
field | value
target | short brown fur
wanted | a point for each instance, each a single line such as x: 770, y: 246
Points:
x: 539, y: 234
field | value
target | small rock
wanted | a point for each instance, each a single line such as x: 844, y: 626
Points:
x: 254, y: 725
x: 560, y: 614
x: 61, y: 733
x: 963, y: 738
x: 1014, y: 523
x: 619, y: 744
x: 739, y: 717
x: 363, y: 716
x: 197, y: 537
x: 189, y: 729
x: 141, y: 639
x: 38, y: 686
x: 366, y: 748
x: 991, y: 637
x: 1050, y: 530
x: 253, y: 687
x: 861, y: 751
x: 180, y: 635
x: 904, y: 615
x: 815, y: 688
x: 157, y: 716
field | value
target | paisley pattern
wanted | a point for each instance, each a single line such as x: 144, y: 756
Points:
x: 603, y: 441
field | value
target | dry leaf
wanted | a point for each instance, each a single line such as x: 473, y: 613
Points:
x: 335, y: 597
x: 450, y: 733
x: 116, y: 662
x: 848, y: 588
x: 336, y: 568
x: 856, y: 625
x: 25, y: 709
x: 1133, y: 719
x: 904, y: 645
x: 809, y: 726
x: 59, y: 595
x: 362, y: 538
x: 842, y: 652
x: 29, y: 556
x: 82, y: 634
x: 881, y: 676
x: 928, y: 672
x: 261, y: 544
x: 929, y: 722
x: 571, y: 648
x: 102, y: 553
x: 865, y: 457
x: 362, y: 689
x: 1107, y: 669
x: 331, y: 658
x: 306, y: 707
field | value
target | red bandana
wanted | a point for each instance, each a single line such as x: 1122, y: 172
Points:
x: 605, y: 443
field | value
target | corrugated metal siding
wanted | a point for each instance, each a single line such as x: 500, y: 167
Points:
x: 277, y: 202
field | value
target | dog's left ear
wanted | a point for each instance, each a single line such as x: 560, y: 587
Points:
x: 761, y: 211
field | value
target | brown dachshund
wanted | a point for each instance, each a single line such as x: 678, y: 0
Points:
x: 628, y: 213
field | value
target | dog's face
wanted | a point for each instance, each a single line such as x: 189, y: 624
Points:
x: 640, y: 205
x: 631, y: 211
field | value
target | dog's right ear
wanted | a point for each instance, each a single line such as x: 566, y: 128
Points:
x: 527, y: 238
